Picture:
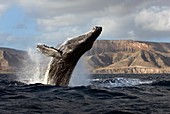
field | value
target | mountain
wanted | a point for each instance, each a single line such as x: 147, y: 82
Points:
x: 106, y: 57
x: 128, y: 56
x: 11, y: 60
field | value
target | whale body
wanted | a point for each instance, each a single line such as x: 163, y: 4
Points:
x: 66, y: 56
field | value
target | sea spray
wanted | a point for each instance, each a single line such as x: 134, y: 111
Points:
x: 36, y: 70
x: 80, y: 76
x: 33, y: 71
x: 119, y: 82
x: 45, y: 80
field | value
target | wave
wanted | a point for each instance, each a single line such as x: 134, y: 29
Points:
x: 10, y: 83
x: 18, y: 97
x: 118, y: 82
x: 109, y: 83
x: 99, y: 82
x: 161, y: 83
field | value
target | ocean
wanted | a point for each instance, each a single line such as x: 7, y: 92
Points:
x: 106, y: 94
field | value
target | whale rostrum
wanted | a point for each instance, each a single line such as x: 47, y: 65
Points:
x: 66, y: 56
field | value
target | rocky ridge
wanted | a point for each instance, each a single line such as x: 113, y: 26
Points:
x: 107, y: 57
x: 128, y: 56
x: 12, y: 60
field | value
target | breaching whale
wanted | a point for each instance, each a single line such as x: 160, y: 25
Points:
x: 66, y: 56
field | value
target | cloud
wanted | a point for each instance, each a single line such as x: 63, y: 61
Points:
x: 18, y: 42
x: 154, y: 18
x: 118, y: 18
x: 2, y: 8
x: 57, y: 37
x: 109, y: 24
x: 53, y: 23
x: 4, y: 5
x: 21, y: 26
x: 48, y: 8
x: 6, y: 36
x: 7, y: 40
x: 56, y: 20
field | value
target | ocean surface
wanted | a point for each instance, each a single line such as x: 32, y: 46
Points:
x: 106, y: 94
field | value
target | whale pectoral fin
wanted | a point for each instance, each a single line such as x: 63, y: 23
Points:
x: 49, y: 51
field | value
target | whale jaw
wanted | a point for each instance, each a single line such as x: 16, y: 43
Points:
x: 66, y: 56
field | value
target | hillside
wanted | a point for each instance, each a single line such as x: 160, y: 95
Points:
x: 12, y: 60
x: 127, y: 56
x: 107, y: 57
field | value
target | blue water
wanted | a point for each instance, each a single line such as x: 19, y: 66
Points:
x: 107, y: 94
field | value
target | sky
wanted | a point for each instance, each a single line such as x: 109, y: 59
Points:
x: 25, y: 23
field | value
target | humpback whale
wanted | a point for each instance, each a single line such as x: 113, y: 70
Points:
x: 66, y: 56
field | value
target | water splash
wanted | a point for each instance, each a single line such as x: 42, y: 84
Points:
x: 36, y: 71
x: 45, y: 80
x: 33, y: 71
x: 118, y: 82
x: 80, y: 76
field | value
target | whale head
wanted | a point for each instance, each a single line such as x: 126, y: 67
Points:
x: 77, y: 46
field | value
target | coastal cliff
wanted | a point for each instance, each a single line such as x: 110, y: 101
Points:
x: 107, y: 57
x: 12, y: 60
x: 128, y: 56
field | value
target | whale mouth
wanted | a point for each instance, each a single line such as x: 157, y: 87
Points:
x: 96, y: 28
